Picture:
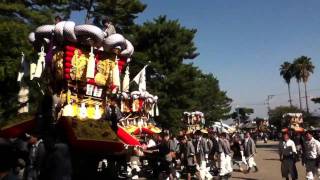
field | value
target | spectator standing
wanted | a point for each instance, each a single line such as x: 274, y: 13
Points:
x: 288, y: 153
x: 311, y: 155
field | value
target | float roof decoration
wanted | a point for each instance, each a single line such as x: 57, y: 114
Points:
x: 292, y: 115
x: 86, y: 34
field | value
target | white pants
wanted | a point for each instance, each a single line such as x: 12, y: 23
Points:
x: 251, y: 162
x: 204, y: 171
x: 225, y: 164
x: 312, y: 170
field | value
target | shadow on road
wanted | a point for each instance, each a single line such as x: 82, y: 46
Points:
x: 275, y: 150
x: 271, y: 146
x: 244, y: 178
x: 271, y: 159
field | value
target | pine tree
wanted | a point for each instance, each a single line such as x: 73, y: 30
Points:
x: 17, y: 20
x: 180, y: 86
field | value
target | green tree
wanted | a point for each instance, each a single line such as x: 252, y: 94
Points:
x: 121, y: 12
x: 297, y: 75
x: 304, y: 68
x: 242, y: 114
x: 286, y: 71
x: 17, y: 19
x: 211, y: 100
x: 180, y: 86
x: 316, y: 100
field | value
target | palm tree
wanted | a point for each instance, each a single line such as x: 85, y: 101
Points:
x: 286, y: 72
x: 296, y: 72
x: 304, y: 69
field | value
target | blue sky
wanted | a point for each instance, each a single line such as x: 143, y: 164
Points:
x: 243, y: 43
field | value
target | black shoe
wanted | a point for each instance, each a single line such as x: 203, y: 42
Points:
x: 247, y: 171
x: 256, y: 168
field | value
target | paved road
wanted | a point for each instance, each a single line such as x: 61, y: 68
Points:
x: 269, y: 165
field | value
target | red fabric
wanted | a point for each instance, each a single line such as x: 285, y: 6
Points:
x: 91, y: 81
x: 121, y: 64
x: 67, y: 70
x: 69, y: 54
x: 67, y: 76
x: 112, y: 87
x: 141, y: 101
x: 127, y: 138
x: 67, y: 65
x: 144, y: 130
x: 68, y: 59
x: 70, y: 48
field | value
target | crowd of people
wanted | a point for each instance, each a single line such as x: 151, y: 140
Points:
x: 294, y: 148
x: 198, y: 155
x: 195, y: 155
x: 30, y: 158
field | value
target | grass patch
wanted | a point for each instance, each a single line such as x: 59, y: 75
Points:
x: 94, y: 130
x: 16, y: 120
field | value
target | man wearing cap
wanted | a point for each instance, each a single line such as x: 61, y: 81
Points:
x: 108, y: 27
x: 311, y: 155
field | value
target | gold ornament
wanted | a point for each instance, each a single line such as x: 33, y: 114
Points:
x: 79, y: 64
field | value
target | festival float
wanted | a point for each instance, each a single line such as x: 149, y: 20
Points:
x: 89, y: 78
x: 222, y: 127
x: 263, y: 125
x: 293, y: 122
x: 194, y: 121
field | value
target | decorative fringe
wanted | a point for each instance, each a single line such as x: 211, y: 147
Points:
x: 23, y: 69
x: 97, y: 112
x: 33, y: 68
x: 23, y: 99
x: 116, y: 78
x: 157, y: 110
x: 126, y: 80
x: 83, y: 111
x: 41, y: 64
x: 91, y: 65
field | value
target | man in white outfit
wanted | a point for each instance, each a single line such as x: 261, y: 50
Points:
x: 202, y: 150
x: 225, y: 157
x: 311, y: 156
x: 288, y: 154
x: 249, y: 150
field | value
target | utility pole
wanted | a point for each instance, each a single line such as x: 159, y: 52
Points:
x: 269, y: 97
